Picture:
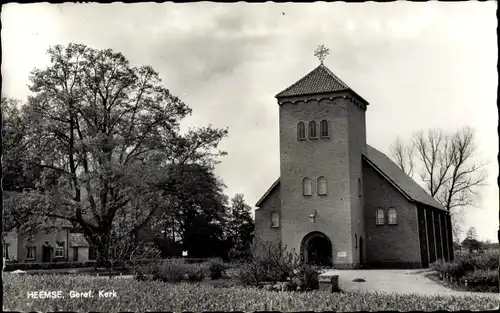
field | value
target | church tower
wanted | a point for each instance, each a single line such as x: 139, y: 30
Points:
x: 322, y: 140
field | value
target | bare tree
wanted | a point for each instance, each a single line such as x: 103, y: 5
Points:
x: 448, y: 167
x: 404, y: 156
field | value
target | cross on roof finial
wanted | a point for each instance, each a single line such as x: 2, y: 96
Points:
x: 321, y: 53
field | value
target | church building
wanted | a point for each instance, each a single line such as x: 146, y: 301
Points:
x: 338, y: 201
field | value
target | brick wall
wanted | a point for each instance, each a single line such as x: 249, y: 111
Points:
x: 315, y: 158
x: 263, y: 230
x: 357, y: 147
x: 389, y: 245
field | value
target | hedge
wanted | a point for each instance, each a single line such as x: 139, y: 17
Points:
x: 9, y: 267
x: 197, y: 297
x: 475, y: 272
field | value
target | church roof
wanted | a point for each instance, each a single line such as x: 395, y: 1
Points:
x: 320, y: 80
x: 398, y: 178
x: 268, y: 192
x: 392, y: 173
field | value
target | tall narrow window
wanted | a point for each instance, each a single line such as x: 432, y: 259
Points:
x: 322, y: 186
x: 324, y: 129
x: 301, y: 131
x: 393, y: 218
x: 275, y: 219
x: 6, y: 251
x: 359, y: 187
x: 306, y: 187
x: 355, y: 241
x: 30, y: 253
x: 312, y: 130
x: 59, y: 252
x: 380, y: 217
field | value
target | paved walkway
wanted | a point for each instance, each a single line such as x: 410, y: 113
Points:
x: 396, y: 281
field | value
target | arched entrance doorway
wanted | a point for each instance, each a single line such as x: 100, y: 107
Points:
x: 316, y: 249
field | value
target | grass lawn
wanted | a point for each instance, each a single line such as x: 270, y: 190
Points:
x: 133, y: 295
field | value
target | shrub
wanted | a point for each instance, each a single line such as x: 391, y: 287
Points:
x: 194, y: 272
x: 216, y: 268
x: 487, y: 261
x: 273, y: 263
x: 171, y: 270
x: 481, y: 280
x: 438, y: 266
x: 49, y: 265
x: 466, y: 263
x: 307, y: 277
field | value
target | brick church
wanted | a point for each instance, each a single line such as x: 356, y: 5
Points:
x: 339, y: 201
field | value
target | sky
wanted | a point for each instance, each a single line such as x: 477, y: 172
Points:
x: 419, y: 65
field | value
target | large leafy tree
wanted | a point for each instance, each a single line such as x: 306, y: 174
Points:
x: 105, y: 136
x: 194, y: 210
x: 240, y: 228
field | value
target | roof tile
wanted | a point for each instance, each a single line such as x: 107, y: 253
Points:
x: 319, y: 80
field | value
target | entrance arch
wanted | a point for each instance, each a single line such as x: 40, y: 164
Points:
x: 316, y: 249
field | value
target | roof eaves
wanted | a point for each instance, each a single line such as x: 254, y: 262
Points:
x: 268, y: 192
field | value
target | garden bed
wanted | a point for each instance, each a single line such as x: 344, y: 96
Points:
x: 197, y: 297
x: 469, y: 273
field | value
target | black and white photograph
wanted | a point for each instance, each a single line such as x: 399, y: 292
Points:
x: 209, y: 156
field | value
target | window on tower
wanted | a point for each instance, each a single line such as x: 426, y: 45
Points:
x: 301, y: 131
x: 275, y: 219
x: 306, y: 187
x: 312, y: 130
x: 359, y: 187
x: 324, y: 129
x: 380, y: 217
x: 322, y: 186
x: 393, y: 218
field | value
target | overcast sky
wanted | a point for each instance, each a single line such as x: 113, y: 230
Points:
x: 420, y: 65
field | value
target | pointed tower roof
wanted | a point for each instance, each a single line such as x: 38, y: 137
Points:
x: 320, y: 80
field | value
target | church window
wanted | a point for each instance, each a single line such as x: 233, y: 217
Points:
x: 380, y: 217
x: 359, y: 188
x: 275, y: 220
x: 322, y: 186
x: 323, y: 126
x: 301, y: 131
x: 312, y: 130
x: 355, y: 241
x: 393, y: 218
x: 306, y: 187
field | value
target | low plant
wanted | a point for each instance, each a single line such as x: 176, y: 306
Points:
x: 487, y: 261
x: 201, y: 297
x: 306, y: 277
x: 171, y: 270
x: 216, y: 268
x: 194, y: 272
x: 272, y: 263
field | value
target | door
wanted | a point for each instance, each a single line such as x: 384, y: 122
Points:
x: 46, y: 253
x: 75, y: 254
x: 361, y: 247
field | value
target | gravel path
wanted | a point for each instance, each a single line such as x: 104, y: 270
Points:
x: 396, y: 281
